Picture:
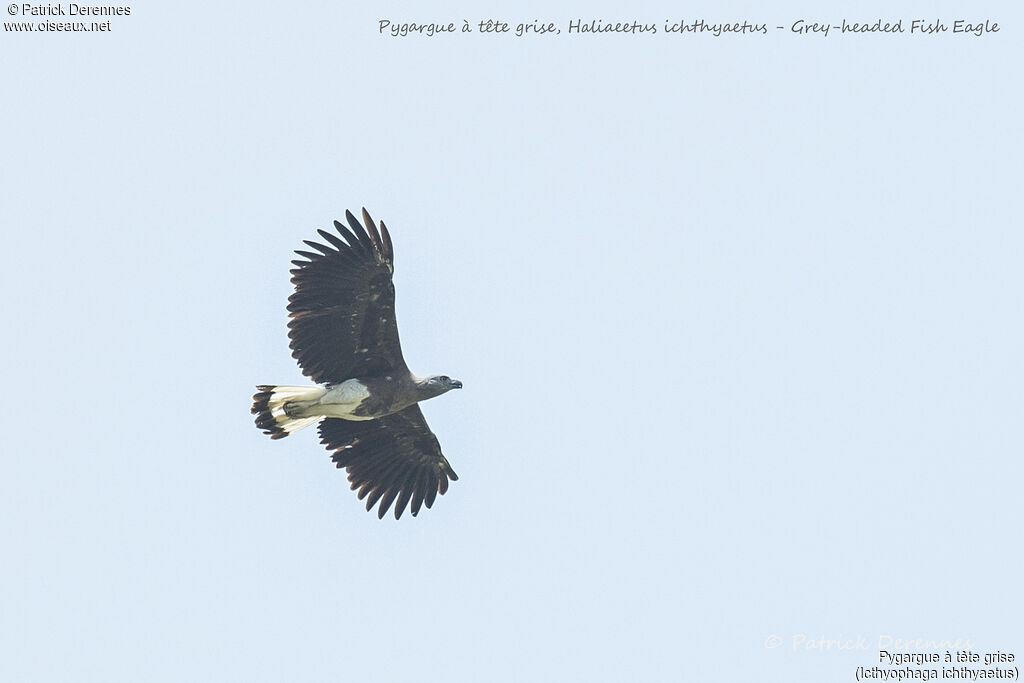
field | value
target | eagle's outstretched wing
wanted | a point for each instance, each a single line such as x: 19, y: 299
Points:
x: 343, y: 309
x: 396, y: 456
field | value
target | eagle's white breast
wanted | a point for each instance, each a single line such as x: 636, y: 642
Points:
x: 343, y: 399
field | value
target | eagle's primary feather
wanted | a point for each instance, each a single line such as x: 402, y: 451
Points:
x: 344, y: 335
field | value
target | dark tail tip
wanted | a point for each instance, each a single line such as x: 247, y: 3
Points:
x: 261, y: 409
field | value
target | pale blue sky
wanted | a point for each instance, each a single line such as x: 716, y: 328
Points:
x: 739, y: 322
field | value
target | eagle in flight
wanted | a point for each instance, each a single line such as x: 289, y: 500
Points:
x: 344, y: 336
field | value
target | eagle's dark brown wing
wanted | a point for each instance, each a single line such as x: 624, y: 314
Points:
x: 343, y: 309
x: 396, y: 456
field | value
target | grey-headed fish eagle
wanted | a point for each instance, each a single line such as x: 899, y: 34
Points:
x: 344, y: 336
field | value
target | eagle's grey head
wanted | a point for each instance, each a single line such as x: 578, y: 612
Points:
x: 436, y: 385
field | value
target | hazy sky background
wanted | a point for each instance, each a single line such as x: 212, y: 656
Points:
x: 739, y: 321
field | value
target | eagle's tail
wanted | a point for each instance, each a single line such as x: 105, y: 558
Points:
x: 268, y: 405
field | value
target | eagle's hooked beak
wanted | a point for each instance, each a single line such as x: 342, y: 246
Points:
x: 456, y: 384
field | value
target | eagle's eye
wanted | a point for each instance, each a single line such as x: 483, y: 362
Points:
x: 444, y: 379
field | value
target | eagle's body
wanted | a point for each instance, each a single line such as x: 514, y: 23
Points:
x: 344, y: 335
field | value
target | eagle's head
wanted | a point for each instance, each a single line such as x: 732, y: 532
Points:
x: 437, y: 385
